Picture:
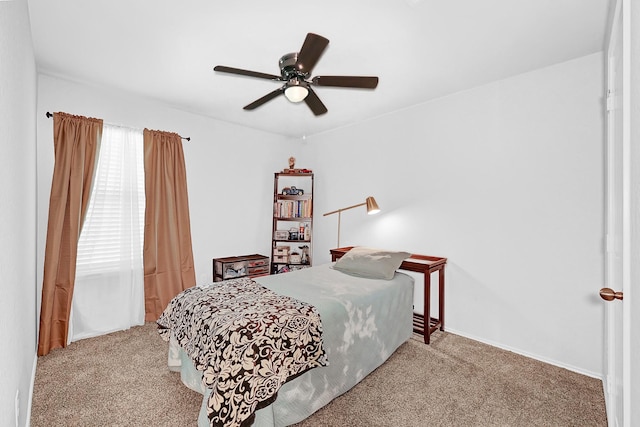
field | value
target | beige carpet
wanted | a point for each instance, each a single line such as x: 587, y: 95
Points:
x: 121, y: 379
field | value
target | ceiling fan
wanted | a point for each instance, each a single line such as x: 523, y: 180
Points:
x: 295, y: 71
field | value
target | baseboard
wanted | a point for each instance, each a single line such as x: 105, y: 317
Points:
x: 529, y: 355
x: 31, y: 387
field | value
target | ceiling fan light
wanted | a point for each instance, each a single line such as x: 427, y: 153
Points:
x: 296, y: 91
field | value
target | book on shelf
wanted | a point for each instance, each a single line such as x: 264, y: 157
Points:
x: 292, y: 209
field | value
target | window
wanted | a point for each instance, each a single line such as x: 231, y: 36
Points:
x: 109, y: 289
x: 114, y: 223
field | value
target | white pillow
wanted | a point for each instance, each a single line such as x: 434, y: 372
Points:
x: 371, y: 263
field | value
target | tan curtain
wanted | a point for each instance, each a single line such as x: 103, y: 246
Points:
x: 168, y: 256
x: 76, y: 141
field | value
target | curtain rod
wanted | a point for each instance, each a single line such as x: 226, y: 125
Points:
x: 188, y: 138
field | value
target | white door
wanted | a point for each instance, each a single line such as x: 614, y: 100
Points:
x: 632, y: 299
x: 622, y: 238
x: 631, y: 324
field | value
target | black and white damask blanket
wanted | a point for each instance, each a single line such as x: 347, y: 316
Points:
x: 246, y: 339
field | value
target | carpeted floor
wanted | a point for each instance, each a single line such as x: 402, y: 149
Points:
x: 121, y: 379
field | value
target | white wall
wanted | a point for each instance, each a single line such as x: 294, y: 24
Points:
x: 17, y: 212
x: 229, y: 168
x: 506, y: 180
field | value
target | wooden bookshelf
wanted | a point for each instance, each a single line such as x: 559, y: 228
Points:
x: 292, y: 229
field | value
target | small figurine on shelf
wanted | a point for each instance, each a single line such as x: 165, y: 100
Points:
x: 292, y: 166
x: 305, y: 254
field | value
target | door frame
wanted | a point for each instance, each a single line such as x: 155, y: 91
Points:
x: 616, y: 376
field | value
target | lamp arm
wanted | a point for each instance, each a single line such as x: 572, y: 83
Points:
x: 344, y: 209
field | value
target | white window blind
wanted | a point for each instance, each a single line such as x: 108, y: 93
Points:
x: 114, y: 224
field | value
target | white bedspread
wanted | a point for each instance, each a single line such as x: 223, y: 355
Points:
x: 364, y: 321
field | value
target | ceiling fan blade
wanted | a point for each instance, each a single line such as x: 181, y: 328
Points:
x: 310, y: 52
x: 346, y: 81
x: 314, y: 103
x: 268, y: 97
x: 231, y: 70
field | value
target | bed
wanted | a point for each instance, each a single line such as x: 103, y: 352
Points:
x: 363, y: 321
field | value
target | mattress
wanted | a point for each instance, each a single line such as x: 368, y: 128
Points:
x: 364, y: 321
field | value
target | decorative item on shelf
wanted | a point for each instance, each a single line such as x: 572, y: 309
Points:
x: 293, y: 233
x: 281, y: 250
x: 296, y: 171
x: 292, y: 191
x: 281, y: 254
x: 281, y: 259
x: 372, y: 208
x: 304, y: 258
x: 295, y: 258
x: 292, y: 168
x: 281, y: 235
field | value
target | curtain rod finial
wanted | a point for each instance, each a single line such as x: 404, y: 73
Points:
x: 49, y: 115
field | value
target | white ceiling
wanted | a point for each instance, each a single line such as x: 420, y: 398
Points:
x: 420, y: 50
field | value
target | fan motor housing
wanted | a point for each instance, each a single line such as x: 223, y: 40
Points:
x: 288, y: 68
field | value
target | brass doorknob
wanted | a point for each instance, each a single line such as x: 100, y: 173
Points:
x: 609, y: 294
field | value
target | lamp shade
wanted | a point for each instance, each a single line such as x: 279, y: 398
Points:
x: 296, y: 90
x: 372, y: 206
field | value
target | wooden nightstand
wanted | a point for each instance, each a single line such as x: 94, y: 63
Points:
x: 422, y: 323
